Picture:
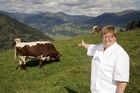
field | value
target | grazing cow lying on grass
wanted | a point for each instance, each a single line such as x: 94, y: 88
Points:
x: 43, y: 50
x: 96, y: 29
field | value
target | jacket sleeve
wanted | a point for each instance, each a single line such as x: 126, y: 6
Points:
x: 121, y: 71
x: 91, y: 50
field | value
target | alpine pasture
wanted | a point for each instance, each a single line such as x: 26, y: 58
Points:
x: 72, y: 73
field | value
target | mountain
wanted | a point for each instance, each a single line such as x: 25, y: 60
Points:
x: 126, y: 12
x: 18, y: 16
x: 11, y: 28
x: 45, y: 21
x: 61, y: 24
x: 119, y: 19
x: 68, y: 30
x: 53, y: 24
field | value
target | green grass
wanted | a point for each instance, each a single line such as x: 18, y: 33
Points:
x: 71, y: 74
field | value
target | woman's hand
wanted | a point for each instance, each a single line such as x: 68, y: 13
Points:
x: 82, y: 44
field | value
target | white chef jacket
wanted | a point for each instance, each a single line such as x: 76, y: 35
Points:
x: 107, y: 67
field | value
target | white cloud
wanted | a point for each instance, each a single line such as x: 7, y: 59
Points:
x: 78, y: 7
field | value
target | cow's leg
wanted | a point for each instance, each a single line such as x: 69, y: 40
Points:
x: 22, y: 62
x: 41, y: 61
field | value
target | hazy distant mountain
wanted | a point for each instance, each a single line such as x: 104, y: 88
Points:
x: 18, y: 16
x: 46, y: 21
x: 126, y: 12
x: 117, y: 19
x: 71, y: 25
x: 11, y: 28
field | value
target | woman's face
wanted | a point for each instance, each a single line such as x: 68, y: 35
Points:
x: 109, y: 39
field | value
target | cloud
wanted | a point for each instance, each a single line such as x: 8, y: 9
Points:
x: 74, y: 7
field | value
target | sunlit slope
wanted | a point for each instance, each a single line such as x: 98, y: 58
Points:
x: 72, y: 73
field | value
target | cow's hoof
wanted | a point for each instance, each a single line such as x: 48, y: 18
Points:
x: 40, y: 65
x: 23, y: 66
x: 17, y: 67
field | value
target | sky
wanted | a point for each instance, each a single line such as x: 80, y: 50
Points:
x: 72, y: 7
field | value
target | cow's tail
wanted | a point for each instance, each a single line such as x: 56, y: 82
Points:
x: 15, y: 55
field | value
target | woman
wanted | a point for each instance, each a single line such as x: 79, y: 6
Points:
x: 110, y: 63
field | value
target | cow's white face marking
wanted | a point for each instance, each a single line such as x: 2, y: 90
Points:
x: 93, y: 29
x: 22, y: 44
x: 17, y: 40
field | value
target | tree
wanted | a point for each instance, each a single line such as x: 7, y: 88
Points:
x: 132, y: 25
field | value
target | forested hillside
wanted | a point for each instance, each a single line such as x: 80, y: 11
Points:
x: 65, y: 25
x: 11, y: 28
x: 72, y: 73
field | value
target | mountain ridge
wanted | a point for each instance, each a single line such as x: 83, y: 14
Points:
x: 11, y: 28
x: 119, y: 19
x: 61, y: 24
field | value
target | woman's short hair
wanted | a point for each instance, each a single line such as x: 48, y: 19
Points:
x: 109, y: 29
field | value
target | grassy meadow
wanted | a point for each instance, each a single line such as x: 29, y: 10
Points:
x: 72, y: 73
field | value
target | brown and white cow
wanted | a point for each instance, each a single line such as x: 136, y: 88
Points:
x: 43, y: 50
x: 96, y: 29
